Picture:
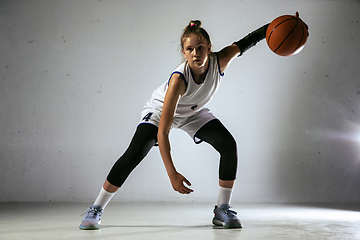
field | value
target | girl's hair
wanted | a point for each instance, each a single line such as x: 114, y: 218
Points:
x: 195, y: 28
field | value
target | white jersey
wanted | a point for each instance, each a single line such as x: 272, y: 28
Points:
x: 196, y: 95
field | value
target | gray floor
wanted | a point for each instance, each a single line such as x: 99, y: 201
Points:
x: 183, y: 221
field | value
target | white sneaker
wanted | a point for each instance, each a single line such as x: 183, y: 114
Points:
x: 92, y: 219
x: 226, y: 217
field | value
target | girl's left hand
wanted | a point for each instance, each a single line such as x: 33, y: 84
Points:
x: 307, y: 27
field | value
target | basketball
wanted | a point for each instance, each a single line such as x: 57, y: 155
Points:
x: 287, y: 35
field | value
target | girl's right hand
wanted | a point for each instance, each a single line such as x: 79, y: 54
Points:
x: 177, y: 181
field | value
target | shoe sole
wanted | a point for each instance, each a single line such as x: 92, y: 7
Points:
x: 90, y: 227
x: 234, y: 224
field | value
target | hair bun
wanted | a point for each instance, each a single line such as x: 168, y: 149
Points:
x: 196, y: 23
x: 194, y: 27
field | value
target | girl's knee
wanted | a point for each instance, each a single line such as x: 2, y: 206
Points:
x: 228, y: 146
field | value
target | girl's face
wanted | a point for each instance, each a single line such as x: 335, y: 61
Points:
x: 196, y: 51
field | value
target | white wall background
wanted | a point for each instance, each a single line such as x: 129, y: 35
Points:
x: 75, y: 75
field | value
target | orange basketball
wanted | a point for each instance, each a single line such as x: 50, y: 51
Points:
x: 287, y: 35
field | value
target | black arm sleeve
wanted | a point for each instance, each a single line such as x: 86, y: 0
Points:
x: 251, y: 39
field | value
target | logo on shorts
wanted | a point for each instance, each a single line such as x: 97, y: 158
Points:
x: 147, y: 117
x: 194, y: 107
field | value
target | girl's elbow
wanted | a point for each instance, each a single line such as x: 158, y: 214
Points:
x: 162, y: 134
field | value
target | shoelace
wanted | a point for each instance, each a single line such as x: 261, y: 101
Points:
x: 93, y: 211
x: 227, y: 211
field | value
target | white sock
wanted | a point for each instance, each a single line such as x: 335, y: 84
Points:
x: 224, y: 195
x: 103, y: 198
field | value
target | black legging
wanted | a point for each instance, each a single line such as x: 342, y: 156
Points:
x: 145, y: 138
x: 215, y: 133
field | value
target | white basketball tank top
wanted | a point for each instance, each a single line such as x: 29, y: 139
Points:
x: 196, y: 95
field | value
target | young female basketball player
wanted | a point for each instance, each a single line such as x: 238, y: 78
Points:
x: 180, y: 103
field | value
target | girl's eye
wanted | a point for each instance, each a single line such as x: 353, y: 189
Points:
x: 189, y: 49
